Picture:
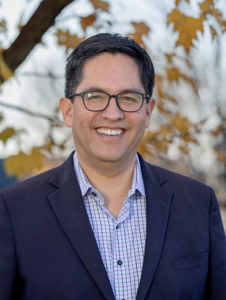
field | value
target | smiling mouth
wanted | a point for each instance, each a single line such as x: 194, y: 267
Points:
x: 110, y: 131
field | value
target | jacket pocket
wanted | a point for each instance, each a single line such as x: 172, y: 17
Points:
x: 190, y: 262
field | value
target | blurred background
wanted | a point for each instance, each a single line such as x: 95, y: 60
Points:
x: 186, y: 40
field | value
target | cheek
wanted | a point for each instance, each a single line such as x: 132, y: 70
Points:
x: 138, y: 122
x: 83, y: 119
x: 141, y: 118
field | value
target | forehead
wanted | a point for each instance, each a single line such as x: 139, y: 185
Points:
x: 108, y: 69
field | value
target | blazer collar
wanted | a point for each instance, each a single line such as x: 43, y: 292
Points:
x: 158, y: 209
x: 69, y: 208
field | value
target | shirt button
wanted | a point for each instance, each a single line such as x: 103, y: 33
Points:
x: 117, y: 227
x: 119, y: 262
x: 94, y: 194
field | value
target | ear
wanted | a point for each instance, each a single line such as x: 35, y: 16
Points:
x: 67, y: 110
x: 149, y: 108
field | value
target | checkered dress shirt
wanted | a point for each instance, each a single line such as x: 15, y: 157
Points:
x: 121, y: 241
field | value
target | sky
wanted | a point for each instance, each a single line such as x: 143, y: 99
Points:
x: 42, y: 95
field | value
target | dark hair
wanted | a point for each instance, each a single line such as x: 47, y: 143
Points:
x: 112, y: 43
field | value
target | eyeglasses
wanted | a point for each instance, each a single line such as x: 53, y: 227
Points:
x: 98, y: 101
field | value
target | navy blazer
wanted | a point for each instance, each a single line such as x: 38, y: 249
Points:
x: 48, y: 250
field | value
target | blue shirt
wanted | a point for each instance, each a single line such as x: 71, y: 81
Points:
x: 121, y: 241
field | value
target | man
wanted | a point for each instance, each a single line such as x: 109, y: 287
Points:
x: 106, y: 224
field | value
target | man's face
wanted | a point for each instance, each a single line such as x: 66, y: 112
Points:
x: 112, y: 74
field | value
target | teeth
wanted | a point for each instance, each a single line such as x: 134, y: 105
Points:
x: 110, y: 132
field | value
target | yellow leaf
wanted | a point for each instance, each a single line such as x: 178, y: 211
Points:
x: 137, y: 37
x: 180, y: 123
x: 161, y: 108
x: 5, y: 71
x: 17, y: 165
x: 20, y: 26
x: 68, y: 40
x: 151, y: 135
x: 170, y: 57
x: 141, y: 28
x: 49, y: 144
x: 213, y: 32
x: 183, y: 149
x: 188, y: 138
x: 216, y: 131
x: 174, y: 74
x: 191, y: 81
x: 187, y: 28
x: 165, y: 131
x: 206, y: 6
x: 87, y: 21
x: 1, y: 117
x: 3, y: 26
x: 35, y: 159
x: 178, y: 2
x: 161, y: 145
x: 159, y: 85
x: 100, y: 4
x: 221, y: 156
x: 22, y: 163
x: 6, y: 134
x: 170, y: 98
x: 63, y: 144
x: 218, y: 15
x: 223, y: 26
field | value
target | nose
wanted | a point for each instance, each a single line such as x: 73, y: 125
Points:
x: 113, y: 112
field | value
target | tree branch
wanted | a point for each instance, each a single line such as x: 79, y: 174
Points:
x: 32, y: 32
x: 41, y: 75
x: 31, y: 113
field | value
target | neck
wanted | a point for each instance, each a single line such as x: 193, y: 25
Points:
x: 112, y: 179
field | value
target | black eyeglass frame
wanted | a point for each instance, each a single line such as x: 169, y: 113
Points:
x: 144, y: 96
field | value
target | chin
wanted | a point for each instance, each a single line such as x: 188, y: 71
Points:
x: 109, y: 157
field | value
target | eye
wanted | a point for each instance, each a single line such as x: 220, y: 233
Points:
x: 93, y: 96
x: 128, y: 99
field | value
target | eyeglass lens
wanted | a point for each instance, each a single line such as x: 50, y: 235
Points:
x: 127, y: 101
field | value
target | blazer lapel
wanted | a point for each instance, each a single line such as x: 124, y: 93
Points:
x: 158, y: 210
x: 69, y: 208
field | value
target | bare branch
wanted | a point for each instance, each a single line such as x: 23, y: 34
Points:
x: 31, y: 113
x: 41, y: 75
x: 32, y: 32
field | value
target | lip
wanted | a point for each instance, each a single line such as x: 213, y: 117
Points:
x: 111, y: 137
x: 110, y: 127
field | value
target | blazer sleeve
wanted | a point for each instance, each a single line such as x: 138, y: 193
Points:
x: 216, y: 281
x: 7, y: 254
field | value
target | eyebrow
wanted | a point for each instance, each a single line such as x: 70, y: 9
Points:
x: 98, y: 89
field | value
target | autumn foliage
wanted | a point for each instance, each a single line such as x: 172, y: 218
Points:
x: 173, y: 125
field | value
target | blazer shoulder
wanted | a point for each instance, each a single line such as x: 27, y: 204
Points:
x: 40, y: 185
x: 35, y: 184
x: 175, y: 178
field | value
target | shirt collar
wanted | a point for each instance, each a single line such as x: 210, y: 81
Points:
x: 86, y: 187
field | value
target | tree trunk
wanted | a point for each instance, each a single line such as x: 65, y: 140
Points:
x: 32, y: 32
